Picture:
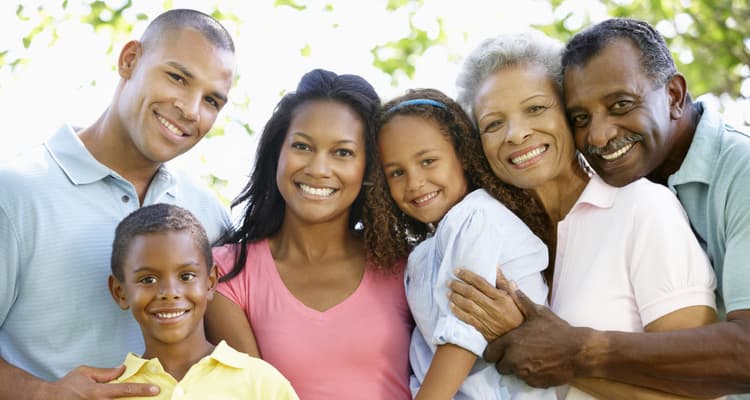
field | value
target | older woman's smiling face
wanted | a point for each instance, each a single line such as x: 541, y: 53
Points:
x: 522, y: 123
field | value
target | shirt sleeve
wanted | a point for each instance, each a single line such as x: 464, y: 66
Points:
x: 669, y: 269
x: 10, y: 265
x: 481, y: 241
x: 235, y: 289
x: 736, y: 266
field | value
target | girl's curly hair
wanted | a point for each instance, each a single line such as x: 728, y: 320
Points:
x: 389, y: 233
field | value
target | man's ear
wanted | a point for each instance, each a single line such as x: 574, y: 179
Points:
x: 213, y: 280
x: 677, y: 92
x: 129, y: 56
x: 118, y: 292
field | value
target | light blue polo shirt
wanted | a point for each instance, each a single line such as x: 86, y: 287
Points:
x: 58, y: 211
x: 713, y: 185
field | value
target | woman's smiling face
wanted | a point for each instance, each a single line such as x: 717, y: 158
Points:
x: 523, y: 127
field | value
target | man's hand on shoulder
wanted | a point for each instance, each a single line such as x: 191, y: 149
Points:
x: 91, y: 383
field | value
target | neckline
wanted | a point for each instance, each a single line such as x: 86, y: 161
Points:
x: 304, y: 308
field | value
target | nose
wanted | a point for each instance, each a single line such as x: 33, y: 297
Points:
x: 518, y: 131
x: 189, y: 106
x: 169, y: 289
x: 600, y: 131
x: 318, y: 166
x: 415, y: 181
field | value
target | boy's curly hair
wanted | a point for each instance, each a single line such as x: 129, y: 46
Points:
x: 389, y: 233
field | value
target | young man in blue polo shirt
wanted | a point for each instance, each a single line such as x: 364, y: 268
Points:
x: 61, y: 202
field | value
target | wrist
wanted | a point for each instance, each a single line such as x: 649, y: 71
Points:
x: 41, y: 390
x: 592, y: 351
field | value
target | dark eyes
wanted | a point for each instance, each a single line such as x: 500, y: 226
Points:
x: 427, y: 162
x: 300, y: 146
x: 343, y: 152
x: 621, y: 105
x: 396, y: 173
x: 187, y: 276
x: 147, y: 280
x: 579, y: 120
x: 493, y: 126
x: 176, y: 77
x: 212, y: 102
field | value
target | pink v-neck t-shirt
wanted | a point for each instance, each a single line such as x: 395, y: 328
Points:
x: 358, y: 349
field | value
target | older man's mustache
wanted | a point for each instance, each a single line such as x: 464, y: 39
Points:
x: 614, y: 144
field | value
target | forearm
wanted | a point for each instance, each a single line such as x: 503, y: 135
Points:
x: 449, y: 368
x: 706, y: 362
x: 18, y: 384
x: 611, y: 390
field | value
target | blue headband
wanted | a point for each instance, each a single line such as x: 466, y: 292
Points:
x: 415, y: 102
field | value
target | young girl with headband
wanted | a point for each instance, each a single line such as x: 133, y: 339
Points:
x: 443, y: 213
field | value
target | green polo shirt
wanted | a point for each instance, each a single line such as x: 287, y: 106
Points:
x: 713, y: 185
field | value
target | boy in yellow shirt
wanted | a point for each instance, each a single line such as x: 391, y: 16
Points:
x: 163, y: 271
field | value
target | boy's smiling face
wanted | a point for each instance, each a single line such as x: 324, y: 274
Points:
x: 167, y: 286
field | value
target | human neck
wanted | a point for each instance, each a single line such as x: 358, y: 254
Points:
x: 177, y: 358
x: 300, y: 241
x: 109, y: 144
x: 558, y: 195
x: 683, y: 133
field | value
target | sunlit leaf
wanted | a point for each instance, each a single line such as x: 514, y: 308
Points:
x: 289, y: 3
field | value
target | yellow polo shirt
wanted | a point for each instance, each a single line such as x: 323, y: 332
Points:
x: 223, y: 374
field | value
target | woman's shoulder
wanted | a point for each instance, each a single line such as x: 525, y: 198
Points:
x: 225, y: 255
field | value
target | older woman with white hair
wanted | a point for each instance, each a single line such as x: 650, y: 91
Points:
x: 622, y: 258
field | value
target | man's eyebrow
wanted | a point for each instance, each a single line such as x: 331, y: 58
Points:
x: 182, y: 68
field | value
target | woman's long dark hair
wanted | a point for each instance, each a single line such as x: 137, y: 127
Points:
x: 264, y: 206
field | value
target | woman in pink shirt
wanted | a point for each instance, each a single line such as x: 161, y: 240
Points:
x: 625, y: 258
x: 297, y: 289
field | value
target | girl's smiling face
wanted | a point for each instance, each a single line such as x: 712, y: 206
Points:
x: 424, y: 175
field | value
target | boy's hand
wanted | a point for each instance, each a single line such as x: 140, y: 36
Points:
x: 90, y: 383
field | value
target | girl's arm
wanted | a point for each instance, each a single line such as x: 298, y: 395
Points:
x: 226, y: 320
x: 448, y: 370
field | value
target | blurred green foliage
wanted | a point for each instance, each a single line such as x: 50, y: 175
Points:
x: 710, y: 39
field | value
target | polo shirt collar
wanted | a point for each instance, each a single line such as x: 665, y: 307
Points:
x: 222, y: 354
x: 596, y: 193
x: 703, y: 153
x: 134, y: 364
x: 74, y: 159
x: 228, y: 356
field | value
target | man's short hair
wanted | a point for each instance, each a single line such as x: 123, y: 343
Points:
x: 156, y: 218
x: 656, y: 60
x: 182, y: 18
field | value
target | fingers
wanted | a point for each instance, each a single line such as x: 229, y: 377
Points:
x: 117, y: 390
x: 469, y: 318
x: 524, y: 304
x: 102, y: 375
x: 477, y: 282
x: 502, y: 282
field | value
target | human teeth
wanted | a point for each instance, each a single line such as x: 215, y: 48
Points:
x: 528, y: 156
x: 426, y: 197
x: 320, y: 192
x: 618, y: 153
x: 171, y: 127
x: 169, y: 315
